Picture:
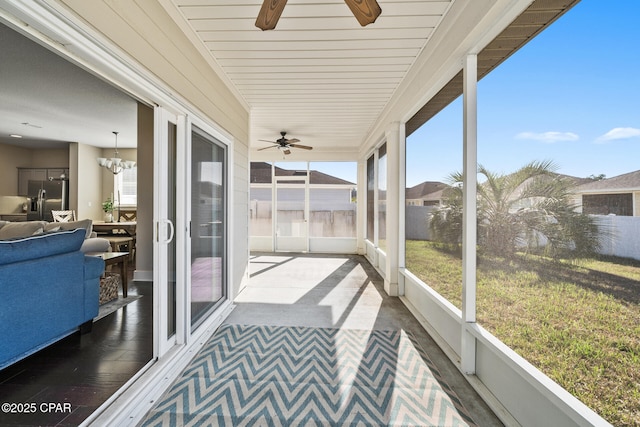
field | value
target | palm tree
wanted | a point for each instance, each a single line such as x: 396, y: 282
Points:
x: 530, y: 208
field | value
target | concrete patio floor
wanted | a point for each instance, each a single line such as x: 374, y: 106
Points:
x: 338, y: 291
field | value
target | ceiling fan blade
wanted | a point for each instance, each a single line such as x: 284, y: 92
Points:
x: 304, y: 147
x: 270, y: 14
x: 266, y: 148
x: 289, y: 141
x: 365, y: 11
x: 266, y: 140
x: 286, y: 151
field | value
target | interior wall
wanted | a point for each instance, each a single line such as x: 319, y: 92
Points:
x: 73, y: 174
x: 12, y: 157
x: 88, y: 181
x: 49, y: 158
x: 144, y: 228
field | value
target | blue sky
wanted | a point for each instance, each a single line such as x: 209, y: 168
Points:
x: 571, y: 95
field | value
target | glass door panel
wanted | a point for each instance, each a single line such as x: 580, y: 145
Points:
x: 208, y: 224
x: 168, y: 130
x: 382, y: 197
x: 171, y: 217
x: 291, y: 215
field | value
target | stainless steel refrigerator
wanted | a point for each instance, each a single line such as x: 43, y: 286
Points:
x: 45, y: 196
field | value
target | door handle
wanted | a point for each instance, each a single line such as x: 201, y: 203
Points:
x: 171, y: 231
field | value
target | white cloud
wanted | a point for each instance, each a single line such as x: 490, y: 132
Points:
x: 619, y: 133
x: 548, y: 137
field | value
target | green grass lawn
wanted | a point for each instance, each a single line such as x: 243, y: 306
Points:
x: 578, y: 322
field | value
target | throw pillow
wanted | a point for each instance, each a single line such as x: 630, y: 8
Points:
x: 20, y: 229
x: 87, y: 224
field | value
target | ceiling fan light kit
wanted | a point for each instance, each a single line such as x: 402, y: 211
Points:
x: 365, y: 11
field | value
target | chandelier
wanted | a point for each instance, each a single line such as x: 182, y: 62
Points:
x: 115, y: 164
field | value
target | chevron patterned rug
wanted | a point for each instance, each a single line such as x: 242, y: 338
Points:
x: 284, y: 376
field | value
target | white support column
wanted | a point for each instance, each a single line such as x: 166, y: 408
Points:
x: 402, y: 184
x: 393, y: 212
x: 362, y: 206
x: 376, y: 204
x: 307, y: 210
x: 274, y: 194
x: 469, y: 213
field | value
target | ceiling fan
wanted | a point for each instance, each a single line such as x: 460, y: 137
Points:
x: 365, y: 11
x: 285, y: 144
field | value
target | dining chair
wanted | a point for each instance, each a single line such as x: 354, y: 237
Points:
x: 125, y: 238
x: 63, y: 216
x: 128, y: 214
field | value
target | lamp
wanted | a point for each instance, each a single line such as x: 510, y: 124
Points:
x: 115, y: 164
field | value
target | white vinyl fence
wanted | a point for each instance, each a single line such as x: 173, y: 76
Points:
x: 620, y: 237
x: 417, y: 222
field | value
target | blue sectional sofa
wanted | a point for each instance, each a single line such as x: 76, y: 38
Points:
x: 48, y: 290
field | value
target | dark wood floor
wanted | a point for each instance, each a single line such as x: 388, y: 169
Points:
x: 81, y: 370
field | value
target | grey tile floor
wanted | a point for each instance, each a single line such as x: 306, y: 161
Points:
x: 338, y: 291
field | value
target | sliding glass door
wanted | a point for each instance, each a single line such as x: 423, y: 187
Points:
x: 208, y: 224
x: 190, y: 248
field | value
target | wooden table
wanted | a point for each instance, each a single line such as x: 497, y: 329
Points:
x: 116, y: 258
x: 101, y: 227
x: 126, y: 235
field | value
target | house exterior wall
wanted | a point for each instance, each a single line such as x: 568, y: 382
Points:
x: 577, y: 200
x: 421, y: 202
x: 240, y: 221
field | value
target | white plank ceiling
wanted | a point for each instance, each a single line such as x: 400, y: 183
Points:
x: 319, y: 75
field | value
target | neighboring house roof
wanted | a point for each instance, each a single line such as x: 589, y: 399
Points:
x: 626, y: 182
x: 430, y: 190
x: 261, y: 174
x: 574, y: 180
x: 577, y: 181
